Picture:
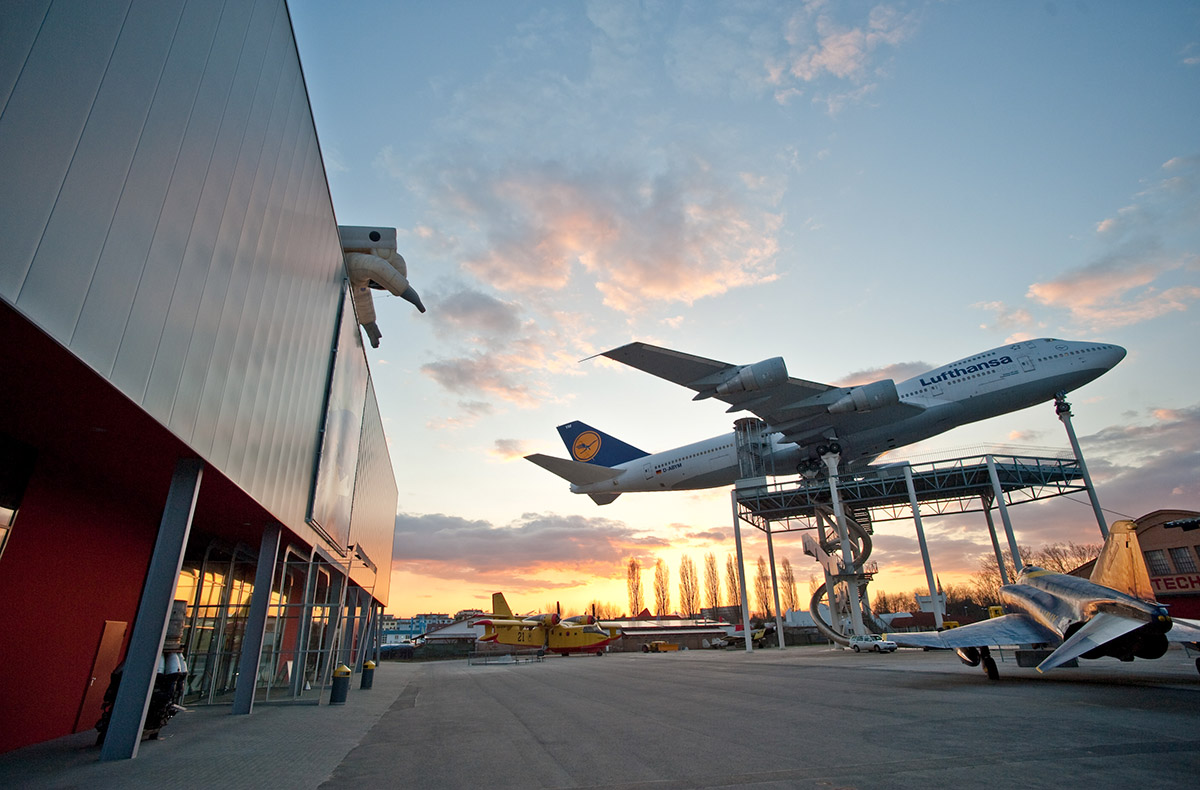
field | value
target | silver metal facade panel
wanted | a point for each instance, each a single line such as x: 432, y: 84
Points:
x: 110, y: 297
x: 205, y: 274
x: 39, y: 135
x: 19, y: 25
x: 373, y: 522
x: 66, y: 259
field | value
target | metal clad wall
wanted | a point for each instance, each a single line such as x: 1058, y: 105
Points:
x: 173, y: 226
x: 373, y: 522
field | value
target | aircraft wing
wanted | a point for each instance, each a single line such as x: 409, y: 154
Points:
x: 1184, y: 630
x: 797, y: 408
x: 1011, y: 629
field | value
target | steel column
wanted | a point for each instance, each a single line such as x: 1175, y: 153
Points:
x: 124, y: 732
x: 916, y: 511
x: 775, y: 586
x: 1018, y: 562
x: 737, y: 539
x: 256, y: 622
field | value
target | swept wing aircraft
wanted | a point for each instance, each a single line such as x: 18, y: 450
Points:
x: 806, y: 420
x: 1113, y: 613
x: 548, y: 632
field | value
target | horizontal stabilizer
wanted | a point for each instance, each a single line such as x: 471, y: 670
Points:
x: 576, y: 472
x: 1100, y: 630
x: 1184, y: 630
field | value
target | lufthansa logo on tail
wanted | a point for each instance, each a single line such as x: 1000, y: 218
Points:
x: 585, y: 446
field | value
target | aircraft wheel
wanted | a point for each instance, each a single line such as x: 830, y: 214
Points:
x: 822, y: 450
x: 989, y: 666
x: 1198, y: 664
x: 834, y: 448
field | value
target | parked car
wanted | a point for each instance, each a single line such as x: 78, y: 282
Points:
x: 872, y: 642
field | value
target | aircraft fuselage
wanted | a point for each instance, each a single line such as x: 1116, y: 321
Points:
x: 1004, y: 379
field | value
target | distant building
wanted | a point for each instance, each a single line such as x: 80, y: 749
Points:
x: 1173, y: 559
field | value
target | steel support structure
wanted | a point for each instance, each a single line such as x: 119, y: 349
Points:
x: 256, y: 622
x: 124, y: 732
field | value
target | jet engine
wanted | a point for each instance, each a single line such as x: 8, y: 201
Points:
x: 969, y: 655
x: 749, y: 378
x: 867, y: 397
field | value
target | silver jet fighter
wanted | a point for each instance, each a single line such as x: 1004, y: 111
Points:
x: 1111, y: 614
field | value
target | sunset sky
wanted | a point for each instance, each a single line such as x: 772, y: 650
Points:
x: 866, y: 189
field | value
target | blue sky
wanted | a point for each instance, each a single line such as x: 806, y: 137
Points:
x: 862, y: 188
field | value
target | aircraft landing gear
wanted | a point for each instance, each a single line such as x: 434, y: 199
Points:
x: 989, y: 664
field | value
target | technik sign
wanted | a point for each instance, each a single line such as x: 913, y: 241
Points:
x: 1188, y: 583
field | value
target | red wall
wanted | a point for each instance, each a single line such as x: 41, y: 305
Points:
x: 77, y: 556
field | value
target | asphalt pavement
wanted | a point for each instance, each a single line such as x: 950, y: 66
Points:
x: 809, y: 717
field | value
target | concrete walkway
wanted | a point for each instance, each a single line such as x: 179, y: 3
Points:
x: 803, y: 717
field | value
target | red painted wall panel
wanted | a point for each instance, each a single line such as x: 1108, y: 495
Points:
x: 77, y: 557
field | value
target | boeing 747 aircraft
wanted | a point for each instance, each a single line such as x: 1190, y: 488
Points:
x: 807, y: 420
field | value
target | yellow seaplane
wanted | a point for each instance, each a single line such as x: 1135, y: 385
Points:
x: 546, y: 632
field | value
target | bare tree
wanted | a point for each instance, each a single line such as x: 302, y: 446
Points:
x: 662, y: 588
x: 633, y: 579
x: 985, y: 582
x: 791, y: 601
x: 1065, y: 557
x: 733, y: 587
x: 712, y: 581
x: 603, y: 610
x: 689, y: 588
x: 762, y: 589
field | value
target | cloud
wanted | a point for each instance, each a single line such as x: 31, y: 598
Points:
x: 824, y: 50
x: 1011, y: 320
x: 1119, y: 289
x: 453, y: 548
x: 898, y: 371
x: 680, y: 234
x: 483, y: 318
x: 510, y: 449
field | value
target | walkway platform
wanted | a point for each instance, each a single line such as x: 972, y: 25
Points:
x: 956, y: 485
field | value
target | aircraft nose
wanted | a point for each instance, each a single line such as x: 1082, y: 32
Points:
x: 1115, y: 354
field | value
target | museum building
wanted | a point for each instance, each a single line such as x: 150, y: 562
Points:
x: 187, y: 419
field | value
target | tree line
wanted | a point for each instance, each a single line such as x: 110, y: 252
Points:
x: 972, y: 598
x: 709, y: 589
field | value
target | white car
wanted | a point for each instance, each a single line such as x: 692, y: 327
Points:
x: 871, y: 642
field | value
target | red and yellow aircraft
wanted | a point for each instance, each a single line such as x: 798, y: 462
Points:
x: 547, y: 632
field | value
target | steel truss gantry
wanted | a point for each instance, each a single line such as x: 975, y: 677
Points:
x: 891, y: 492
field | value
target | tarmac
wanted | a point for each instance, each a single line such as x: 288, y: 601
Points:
x: 803, y: 717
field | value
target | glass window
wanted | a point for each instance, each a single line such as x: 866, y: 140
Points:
x: 1183, y: 560
x: 1156, y: 559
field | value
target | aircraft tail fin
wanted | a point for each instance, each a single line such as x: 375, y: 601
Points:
x: 1121, y: 565
x: 590, y: 446
x: 500, y: 606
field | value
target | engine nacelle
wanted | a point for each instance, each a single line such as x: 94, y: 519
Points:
x: 749, y: 378
x: 969, y: 655
x: 543, y: 619
x: 871, y: 396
